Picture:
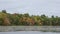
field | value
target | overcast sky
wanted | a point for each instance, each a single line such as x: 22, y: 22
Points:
x: 33, y: 7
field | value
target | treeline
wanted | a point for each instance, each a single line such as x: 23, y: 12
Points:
x: 7, y: 19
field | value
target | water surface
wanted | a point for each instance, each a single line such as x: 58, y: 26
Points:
x: 29, y: 32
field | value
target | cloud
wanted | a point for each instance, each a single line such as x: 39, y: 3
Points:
x: 33, y: 7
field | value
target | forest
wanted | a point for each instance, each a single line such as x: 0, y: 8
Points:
x: 7, y: 19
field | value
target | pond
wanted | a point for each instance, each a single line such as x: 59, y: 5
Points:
x: 29, y: 32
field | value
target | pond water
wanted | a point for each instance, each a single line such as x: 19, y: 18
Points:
x: 29, y: 32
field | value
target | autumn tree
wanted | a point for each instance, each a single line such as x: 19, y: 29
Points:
x: 4, y: 19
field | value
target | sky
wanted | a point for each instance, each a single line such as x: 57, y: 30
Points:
x: 33, y: 7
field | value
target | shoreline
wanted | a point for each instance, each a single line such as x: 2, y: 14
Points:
x: 29, y: 28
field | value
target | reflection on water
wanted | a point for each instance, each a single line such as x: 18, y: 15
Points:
x: 29, y: 32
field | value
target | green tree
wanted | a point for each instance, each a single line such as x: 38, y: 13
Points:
x: 3, y: 11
